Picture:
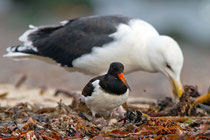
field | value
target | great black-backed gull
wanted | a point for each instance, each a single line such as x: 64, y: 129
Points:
x: 90, y: 44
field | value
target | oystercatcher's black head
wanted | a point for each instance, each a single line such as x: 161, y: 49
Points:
x: 115, y: 68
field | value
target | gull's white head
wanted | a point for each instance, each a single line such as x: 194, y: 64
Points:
x: 165, y: 56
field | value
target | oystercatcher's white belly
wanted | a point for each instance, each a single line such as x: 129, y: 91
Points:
x: 101, y: 102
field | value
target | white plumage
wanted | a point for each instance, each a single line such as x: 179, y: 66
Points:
x: 101, y: 102
x: 129, y: 47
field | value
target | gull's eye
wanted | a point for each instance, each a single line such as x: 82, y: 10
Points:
x: 168, y: 66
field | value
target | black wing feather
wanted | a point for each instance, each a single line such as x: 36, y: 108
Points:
x: 77, y: 37
x: 89, y: 88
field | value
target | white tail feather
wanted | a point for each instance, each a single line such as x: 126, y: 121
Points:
x: 24, y: 36
x: 17, y: 55
x: 32, y: 26
x: 64, y: 22
x: 24, y: 56
x: 25, y: 39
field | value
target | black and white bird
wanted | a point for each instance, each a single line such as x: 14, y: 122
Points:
x: 105, y: 93
x: 90, y: 44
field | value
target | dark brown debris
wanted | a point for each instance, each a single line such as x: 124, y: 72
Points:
x: 186, y: 106
x: 191, y: 90
x: 182, y: 120
x: 75, y: 96
x: 3, y: 95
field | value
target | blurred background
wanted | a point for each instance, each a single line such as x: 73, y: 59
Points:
x: 187, y: 21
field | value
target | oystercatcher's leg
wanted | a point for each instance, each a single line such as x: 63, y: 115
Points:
x: 110, y: 117
x: 93, y: 117
x: 120, y: 111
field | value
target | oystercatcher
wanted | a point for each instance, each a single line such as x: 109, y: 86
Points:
x: 90, y: 44
x: 105, y: 93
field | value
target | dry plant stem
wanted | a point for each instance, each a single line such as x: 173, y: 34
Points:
x: 127, y: 106
x: 3, y: 95
x: 142, y: 102
x: 205, y: 107
x: 182, y: 119
x: 21, y: 81
x: 75, y: 96
x: 66, y: 93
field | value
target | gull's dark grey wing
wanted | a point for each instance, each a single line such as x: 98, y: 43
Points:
x: 76, y: 37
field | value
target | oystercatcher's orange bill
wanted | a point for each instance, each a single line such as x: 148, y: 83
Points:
x: 122, y: 78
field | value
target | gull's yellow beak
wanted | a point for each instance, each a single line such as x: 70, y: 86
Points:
x: 176, y: 87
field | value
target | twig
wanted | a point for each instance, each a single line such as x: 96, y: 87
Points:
x: 66, y: 93
x: 75, y: 96
x: 21, y: 81
x: 127, y: 106
x: 46, y: 110
x: 82, y: 115
x: 182, y: 119
x: 3, y: 95
x: 205, y: 107
x: 142, y: 102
